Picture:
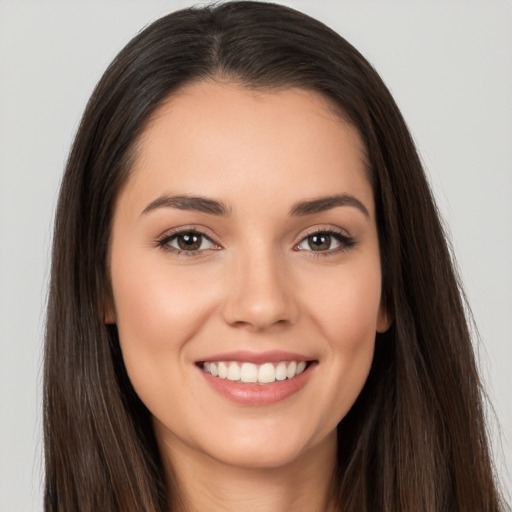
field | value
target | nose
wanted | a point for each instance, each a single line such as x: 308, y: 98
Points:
x: 259, y: 294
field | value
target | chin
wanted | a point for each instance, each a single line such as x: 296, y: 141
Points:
x: 275, y: 450
x: 257, y: 457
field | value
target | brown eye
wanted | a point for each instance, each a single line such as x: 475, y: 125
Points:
x: 189, y: 241
x: 325, y: 242
x: 319, y: 242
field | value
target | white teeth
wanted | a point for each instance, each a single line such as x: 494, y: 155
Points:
x: 281, y: 371
x: 290, y: 372
x: 233, y: 372
x: 267, y: 373
x: 251, y: 373
x: 223, y: 370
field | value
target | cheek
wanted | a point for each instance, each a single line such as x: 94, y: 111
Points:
x: 157, y: 312
x: 347, y: 307
x: 156, y: 304
x: 346, y: 315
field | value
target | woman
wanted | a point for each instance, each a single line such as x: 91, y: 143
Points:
x: 252, y: 302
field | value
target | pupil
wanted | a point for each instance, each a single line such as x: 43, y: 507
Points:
x: 319, y: 242
x: 189, y: 242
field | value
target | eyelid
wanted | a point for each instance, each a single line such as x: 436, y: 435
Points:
x: 163, y: 240
x: 323, y: 229
x: 188, y: 228
x: 346, y: 241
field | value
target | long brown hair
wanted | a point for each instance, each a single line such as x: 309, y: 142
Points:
x: 415, y: 439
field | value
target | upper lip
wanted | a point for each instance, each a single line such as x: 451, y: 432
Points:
x: 273, y: 356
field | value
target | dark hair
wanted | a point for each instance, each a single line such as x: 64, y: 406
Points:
x: 415, y: 439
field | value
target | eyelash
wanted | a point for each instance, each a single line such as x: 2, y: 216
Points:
x: 164, y: 240
x: 346, y: 242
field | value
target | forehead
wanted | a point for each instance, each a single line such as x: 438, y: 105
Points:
x: 220, y: 139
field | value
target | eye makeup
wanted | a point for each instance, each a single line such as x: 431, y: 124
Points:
x: 317, y: 239
x: 188, y: 242
x: 192, y: 242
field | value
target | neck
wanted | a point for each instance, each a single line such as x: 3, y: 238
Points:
x: 203, y: 483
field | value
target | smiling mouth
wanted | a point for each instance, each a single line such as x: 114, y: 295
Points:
x: 250, y: 373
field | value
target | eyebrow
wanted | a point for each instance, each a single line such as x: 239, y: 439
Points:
x: 184, y: 202
x: 327, y: 203
x: 214, y: 207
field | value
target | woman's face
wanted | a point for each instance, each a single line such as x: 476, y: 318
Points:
x: 245, y: 271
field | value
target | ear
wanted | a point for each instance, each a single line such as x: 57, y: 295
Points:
x: 383, y: 318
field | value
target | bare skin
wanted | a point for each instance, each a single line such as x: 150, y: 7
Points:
x: 301, y: 485
x: 256, y: 269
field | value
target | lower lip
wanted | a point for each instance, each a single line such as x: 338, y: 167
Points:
x: 258, y: 394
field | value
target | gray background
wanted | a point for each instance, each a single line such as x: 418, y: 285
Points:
x: 449, y: 66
